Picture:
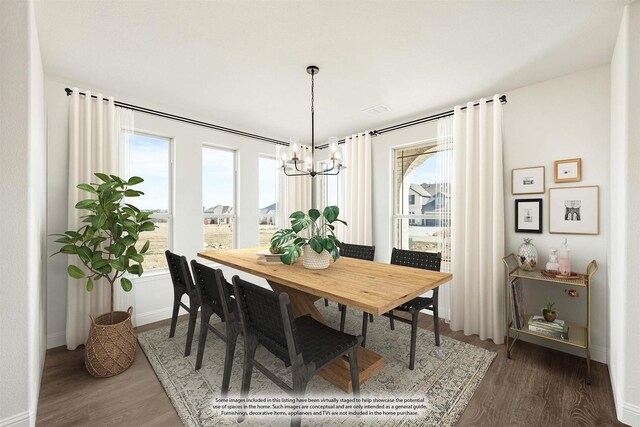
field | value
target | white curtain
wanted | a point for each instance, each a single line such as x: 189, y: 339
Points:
x: 94, y: 132
x: 477, y: 301
x: 293, y: 192
x: 444, y: 165
x: 355, y: 203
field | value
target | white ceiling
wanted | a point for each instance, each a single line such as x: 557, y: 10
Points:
x: 242, y: 63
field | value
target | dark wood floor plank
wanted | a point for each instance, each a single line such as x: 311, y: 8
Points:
x: 539, y: 386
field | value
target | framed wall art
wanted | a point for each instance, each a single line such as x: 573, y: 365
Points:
x: 527, y: 180
x: 529, y: 216
x: 574, y: 210
x: 569, y: 170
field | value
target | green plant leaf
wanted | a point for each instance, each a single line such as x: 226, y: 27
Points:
x: 75, y: 272
x: 328, y: 244
x: 84, y: 253
x: 300, y: 224
x: 69, y: 249
x: 86, y: 204
x: 331, y: 213
x: 126, y: 284
x: 128, y: 241
x: 137, y: 258
x: 147, y: 226
x: 97, y: 264
x: 134, y: 180
x: 314, y: 214
x: 335, y: 253
x: 100, y: 220
x: 133, y: 193
x: 87, y: 187
x: 291, y: 254
x: 89, y: 284
x: 297, y: 215
x: 118, y: 265
x: 63, y: 239
x: 103, y: 176
x: 317, y: 244
x: 135, y: 269
x: 133, y: 208
x: 145, y: 247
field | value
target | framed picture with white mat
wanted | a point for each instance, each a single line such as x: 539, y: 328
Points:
x: 574, y: 210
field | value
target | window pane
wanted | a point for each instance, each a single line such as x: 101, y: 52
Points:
x: 149, y: 158
x: 267, y: 170
x: 218, y: 190
x: 422, y: 189
x: 218, y: 233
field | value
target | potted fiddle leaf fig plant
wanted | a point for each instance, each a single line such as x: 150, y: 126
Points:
x: 311, y: 234
x: 105, y: 247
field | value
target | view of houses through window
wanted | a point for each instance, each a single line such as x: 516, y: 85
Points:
x: 422, y: 218
x: 267, y: 169
x: 149, y: 157
x: 218, y: 197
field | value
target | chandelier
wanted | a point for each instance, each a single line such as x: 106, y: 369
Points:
x: 297, y: 162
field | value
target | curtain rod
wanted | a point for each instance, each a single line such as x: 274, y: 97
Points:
x: 503, y: 100
x: 188, y: 120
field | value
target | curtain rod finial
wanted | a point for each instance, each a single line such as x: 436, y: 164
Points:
x: 69, y: 91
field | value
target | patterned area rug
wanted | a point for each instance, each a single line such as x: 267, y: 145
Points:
x: 446, y: 376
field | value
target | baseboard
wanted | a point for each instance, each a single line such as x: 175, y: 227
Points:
x: 155, y: 315
x: 26, y: 419
x: 630, y: 414
x: 56, y: 340
x: 600, y: 354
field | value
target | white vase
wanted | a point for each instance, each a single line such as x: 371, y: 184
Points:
x: 314, y: 260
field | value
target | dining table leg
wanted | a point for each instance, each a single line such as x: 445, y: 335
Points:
x: 337, y: 373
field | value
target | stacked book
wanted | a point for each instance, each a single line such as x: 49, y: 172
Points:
x: 266, y: 257
x: 556, y: 329
x: 518, y: 308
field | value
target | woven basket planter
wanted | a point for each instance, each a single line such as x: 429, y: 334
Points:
x: 111, y: 346
x: 314, y: 260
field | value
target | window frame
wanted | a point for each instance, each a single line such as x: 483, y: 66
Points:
x: 413, y: 219
x: 169, y: 216
x: 274, y: 216
x: 233, y: 217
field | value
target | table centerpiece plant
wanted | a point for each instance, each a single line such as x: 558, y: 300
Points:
x: 311, y: 234
x: 106, y: 248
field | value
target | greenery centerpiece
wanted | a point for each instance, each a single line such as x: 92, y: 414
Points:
x: 105, y: 247
x: 311, y: 232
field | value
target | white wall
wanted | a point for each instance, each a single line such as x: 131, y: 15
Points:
x: 557, y: 119
x: 153, y: 292
x: 624, y: 246
x: 22, y: 213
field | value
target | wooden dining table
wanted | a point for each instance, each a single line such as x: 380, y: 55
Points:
x: 368, y: 286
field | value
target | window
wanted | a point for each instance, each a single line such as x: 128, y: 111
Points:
x: 267, y: 171
x: 149, y: 157
x: 422, y: 214
x: 218, y: 197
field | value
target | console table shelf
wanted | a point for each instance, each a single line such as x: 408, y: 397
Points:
x: 579, y: 335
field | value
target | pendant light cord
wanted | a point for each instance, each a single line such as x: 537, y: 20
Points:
x: 313, y: 145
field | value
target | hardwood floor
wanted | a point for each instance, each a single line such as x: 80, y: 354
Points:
x: 537, y: 387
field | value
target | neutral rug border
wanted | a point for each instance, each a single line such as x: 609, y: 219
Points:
x: 178, y: 400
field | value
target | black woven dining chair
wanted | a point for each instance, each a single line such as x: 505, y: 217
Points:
x: 215, y: 295
x: 427, y: 261
x: 359, y: 252
x: 302, y: 343
x: 182, y: 284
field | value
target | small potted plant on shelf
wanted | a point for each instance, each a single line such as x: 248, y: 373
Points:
x: 311, y: 234
x: 549, y: 312
x: 106, y: 248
